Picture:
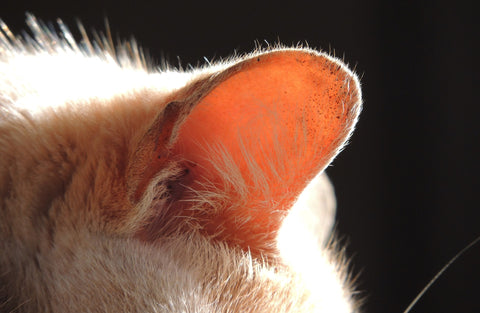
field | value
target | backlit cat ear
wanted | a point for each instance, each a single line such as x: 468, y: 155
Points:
x: 252, y: 144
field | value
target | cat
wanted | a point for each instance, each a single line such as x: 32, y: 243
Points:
x: 128, y: 188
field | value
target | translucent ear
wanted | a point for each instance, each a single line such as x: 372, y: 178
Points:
x: 255, y: 139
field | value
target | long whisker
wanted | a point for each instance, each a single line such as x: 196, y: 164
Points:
x: 440, y: 273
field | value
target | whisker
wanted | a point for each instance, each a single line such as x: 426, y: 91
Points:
x: 440, y: 273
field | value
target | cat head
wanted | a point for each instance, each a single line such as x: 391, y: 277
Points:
x: 108, y: 161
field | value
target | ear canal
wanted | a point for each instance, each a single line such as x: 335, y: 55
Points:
x: 256, y: 139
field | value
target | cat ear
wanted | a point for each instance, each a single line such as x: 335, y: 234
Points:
x: 260, y: 132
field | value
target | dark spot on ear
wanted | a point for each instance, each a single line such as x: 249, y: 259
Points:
x: 177, y: 185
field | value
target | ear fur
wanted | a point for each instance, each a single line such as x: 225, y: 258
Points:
x: 235, y: 153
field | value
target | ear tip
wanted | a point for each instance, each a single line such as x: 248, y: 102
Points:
x: 349, y: 91
x: 303, y: 53
x: 307, y: 54
x: 351, y: 83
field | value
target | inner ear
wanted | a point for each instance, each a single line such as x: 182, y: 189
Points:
x: 263, y: 130
x: 304, y: 102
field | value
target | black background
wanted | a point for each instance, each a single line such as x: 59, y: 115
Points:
x: 407, y: 183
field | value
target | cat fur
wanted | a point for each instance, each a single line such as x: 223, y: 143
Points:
x: 76, y: 128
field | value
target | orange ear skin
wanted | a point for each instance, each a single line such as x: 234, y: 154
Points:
x: 284, y: 114
x: 247, y: 149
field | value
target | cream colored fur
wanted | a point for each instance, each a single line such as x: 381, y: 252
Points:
x: 70, y: 118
